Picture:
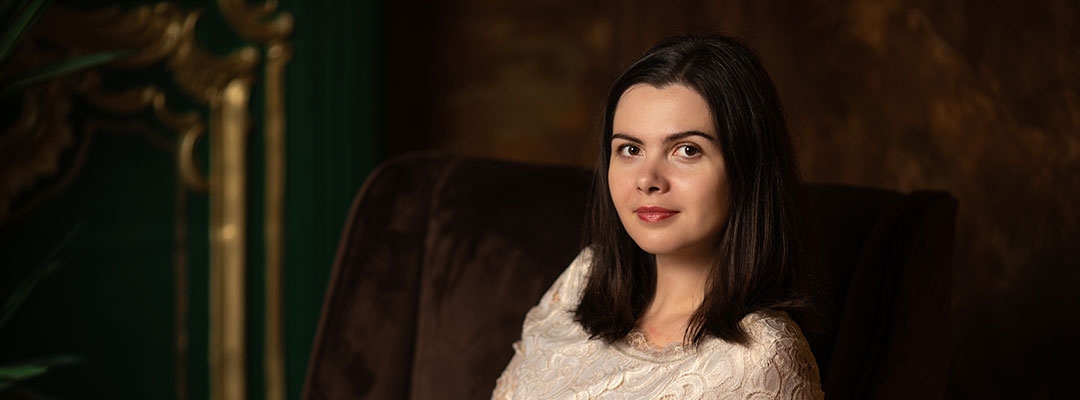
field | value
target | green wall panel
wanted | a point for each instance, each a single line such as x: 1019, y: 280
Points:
x: 333, y: 132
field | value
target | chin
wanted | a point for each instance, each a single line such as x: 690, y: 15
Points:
x: 660, y: 245
x: 657, y: 247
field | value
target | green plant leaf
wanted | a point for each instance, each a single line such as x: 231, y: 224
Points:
x: 13, y: 34
x: 21, y: 372
x: 47, y: 265
x: 12, y: 374
x: 59, y: 69
x: 55, y: 361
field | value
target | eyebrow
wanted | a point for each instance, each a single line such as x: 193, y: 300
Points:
x: 670, y: 138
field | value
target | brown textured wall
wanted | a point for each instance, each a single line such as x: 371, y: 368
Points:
x: 978, y: 98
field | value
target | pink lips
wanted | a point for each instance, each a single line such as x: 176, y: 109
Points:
x: 654, y: 214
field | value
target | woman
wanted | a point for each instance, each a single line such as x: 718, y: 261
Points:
x: 693, y: 256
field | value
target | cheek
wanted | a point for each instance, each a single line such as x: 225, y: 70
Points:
x: 713, y: 198
x: 616, y: 185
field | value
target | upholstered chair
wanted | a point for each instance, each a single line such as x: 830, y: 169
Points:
x: 442, y: 256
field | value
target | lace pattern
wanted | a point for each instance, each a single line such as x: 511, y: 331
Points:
x: 637, y: 341
x: 556, y: 359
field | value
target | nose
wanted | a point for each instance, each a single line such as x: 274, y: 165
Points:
x: 651, y: 177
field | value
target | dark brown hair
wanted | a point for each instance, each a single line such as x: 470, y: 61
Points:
x: 757, y: 260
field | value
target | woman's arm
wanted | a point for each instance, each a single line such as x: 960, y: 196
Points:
x: 783, y: 367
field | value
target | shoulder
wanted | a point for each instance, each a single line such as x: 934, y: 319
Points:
x: 779, y: 349
x: 566, y: 292
x: 774, y: 334
x: 770, y: 325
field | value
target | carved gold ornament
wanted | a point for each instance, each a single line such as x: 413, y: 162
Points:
x: 40, y: 151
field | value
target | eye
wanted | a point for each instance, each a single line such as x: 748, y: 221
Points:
x: 687, y: 150
x: 629, y: 150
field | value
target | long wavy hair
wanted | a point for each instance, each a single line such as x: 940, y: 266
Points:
x: 758, y: 259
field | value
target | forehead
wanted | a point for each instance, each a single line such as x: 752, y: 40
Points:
x: 645, y: 109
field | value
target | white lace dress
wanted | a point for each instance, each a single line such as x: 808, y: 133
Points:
x: 555, y: 359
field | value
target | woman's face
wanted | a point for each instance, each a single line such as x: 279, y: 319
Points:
x: 666, y: 173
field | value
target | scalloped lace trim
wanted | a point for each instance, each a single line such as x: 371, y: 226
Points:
x: 637, y: 341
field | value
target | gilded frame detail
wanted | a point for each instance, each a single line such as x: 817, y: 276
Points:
x: 164, y: 33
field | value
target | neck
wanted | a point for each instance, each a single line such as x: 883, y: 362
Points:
x: 680, y: 285
x: 680, y: 290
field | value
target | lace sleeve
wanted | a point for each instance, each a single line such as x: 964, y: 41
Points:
x: 788, y: 372
x: 786, y: 369
x: 561, y: 297
x: 565, y: 293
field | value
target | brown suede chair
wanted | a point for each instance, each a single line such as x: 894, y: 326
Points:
x: 442, y: 256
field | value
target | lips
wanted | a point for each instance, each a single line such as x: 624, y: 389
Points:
x: 654, y: 213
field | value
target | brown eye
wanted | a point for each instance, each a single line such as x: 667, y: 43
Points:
x: 629, y: 150
x: 688, y: 150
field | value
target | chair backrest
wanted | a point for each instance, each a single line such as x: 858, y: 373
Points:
x: 883, y: 265
x: 442, y: 257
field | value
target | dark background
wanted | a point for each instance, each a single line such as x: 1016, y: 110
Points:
x: 976, y: 98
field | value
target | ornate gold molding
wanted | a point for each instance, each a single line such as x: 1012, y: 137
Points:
x: 31, y: 147
x: 163, y: 34
x: 254, y: 22
x: 160, y: 32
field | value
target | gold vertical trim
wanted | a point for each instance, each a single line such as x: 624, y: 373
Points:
x: 180, y: 275
x: 216, y: 323
x: 228, y: 238
x: 277, y: 55
x: 263, y: 24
